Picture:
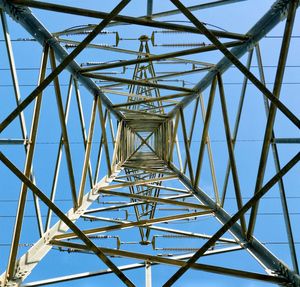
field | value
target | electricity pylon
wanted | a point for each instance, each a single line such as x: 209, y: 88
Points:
x: 147, y: 159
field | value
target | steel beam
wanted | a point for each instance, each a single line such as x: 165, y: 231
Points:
x: 27, y: 262
x: 176, y: 262
x: 273, y: 108
x: 276, y: 14
x: 121, y: 18
x: 229, y: 223
x: 35, y: 28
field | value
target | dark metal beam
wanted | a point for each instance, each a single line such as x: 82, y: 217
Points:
x: 160, y: 57
x: 65, y: 219
x: 25, y: 18
x: 231, y: 221
x: 175, y: 262
x: 121, y: 18
x: 273, y: 108
x: 257, y: 32
x: 196, y: 7
x: 136, y: 82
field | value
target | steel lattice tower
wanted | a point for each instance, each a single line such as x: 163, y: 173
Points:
x: 150, y: 146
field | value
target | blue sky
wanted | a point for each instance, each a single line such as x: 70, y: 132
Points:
x: 270, y: 225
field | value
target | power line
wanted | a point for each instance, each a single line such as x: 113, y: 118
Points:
x: 229, y: 197
x: 260, y: 213
x: 34, y: 40
x: 253, y: 66
x: 98, y: 142
x: 265, y: 243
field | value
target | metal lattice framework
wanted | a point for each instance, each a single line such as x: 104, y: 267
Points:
x: 144, y: 151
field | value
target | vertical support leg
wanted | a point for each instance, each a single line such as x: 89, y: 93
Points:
x: 148, y: 276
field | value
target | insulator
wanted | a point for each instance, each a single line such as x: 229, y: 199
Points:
x: 177, y: 209
x: 129, y: 242
x: 177, y: 249
x: 102, y: 236
x: 175, y: 236
x: 81, y: 31
x: 72, y: 250
x: 170, y: 32
x: 91, y: 64
x: 25, y: 244
x: 68, y: 46
x: 26, y: 39
x: 182, y: 45
x: 89, y: 219
x: 165, y: 255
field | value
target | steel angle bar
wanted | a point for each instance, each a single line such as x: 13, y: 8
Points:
x: 173, y: 137
x: 179, y: 190
x: 143, y: 83
x: 151, y: 58
x: 176, y: 262
x: 113, y: 207
x: 13, y: 71
x: 275, y: 14
x: 265, y: 257
x: 155, y: 108
x: 191, y: 132
x: 130, y: 224
x: 120, y: 206
x: 140, y: 182
x: 111, y: 127
x: 231, y: 154
x: 30, y: 259
x: 27, y: 171
x: 82, y: 124
x: 281, y: 186
x: 155, y: 199
x: 82, y: 275
x: 99, y: 155
x: 148, y: 169
x: 96, y: 273
x: 116, y: 147
x: 186, y: 145
x: 273, y: 108
x: 143, y: 142
x: 104, y: 136
x: 136, y: 174
x: 205, y: 130
x: 234, y: 245
x: 42, y: 35
x: 236, y: 126
x: 67, y: 221
x: 196, y: 8
x: 128, y: 112
x: 87, y: 150
x: 64, y: 130
x: 121, y: 18
x: 230, y: 56
x: 192, y: 234
x: 140, y: 97
x: 209, y: 152
x: 59, y: 157
x: 136, y: 210
x: 138, y: 53
x: 149, y: 8
x: 148, y: 274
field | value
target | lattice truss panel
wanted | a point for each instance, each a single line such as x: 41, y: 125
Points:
x: 155, y: 141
